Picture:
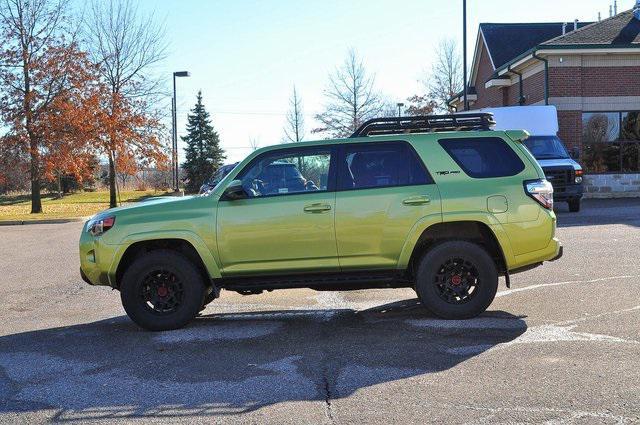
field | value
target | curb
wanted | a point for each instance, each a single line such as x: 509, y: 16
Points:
x: 46, y: 221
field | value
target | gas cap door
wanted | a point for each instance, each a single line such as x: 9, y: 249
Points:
x: 497, y: 204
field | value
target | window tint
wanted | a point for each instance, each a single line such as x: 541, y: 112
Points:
x: 484, y: 157
x: 546, y: 147
x: 380, y: 165
x: 287, y: 172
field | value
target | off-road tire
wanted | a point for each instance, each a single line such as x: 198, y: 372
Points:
x: 135, y: 281
x: 432, y: 268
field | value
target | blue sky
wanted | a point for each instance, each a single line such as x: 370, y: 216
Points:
x: 246, y: 55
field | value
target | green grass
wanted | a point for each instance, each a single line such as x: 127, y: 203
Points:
x: 81, y: 204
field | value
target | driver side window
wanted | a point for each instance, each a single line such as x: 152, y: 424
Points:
x: 288, y: 172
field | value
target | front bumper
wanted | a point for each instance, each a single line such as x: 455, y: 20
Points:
x: 569, y: 192
x: 96, y: 259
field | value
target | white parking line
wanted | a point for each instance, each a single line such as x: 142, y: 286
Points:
x: 569, y: 282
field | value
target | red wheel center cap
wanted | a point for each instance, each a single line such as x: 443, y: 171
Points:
x: 163, y: 291
x: 456, y: 279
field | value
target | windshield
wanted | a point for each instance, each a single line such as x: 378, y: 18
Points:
x: 546, y: 147
x: 217, y: 177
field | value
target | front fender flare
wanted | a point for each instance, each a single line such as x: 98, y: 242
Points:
x: 205, y: 253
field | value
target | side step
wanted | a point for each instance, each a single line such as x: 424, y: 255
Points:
x: 346, y: 281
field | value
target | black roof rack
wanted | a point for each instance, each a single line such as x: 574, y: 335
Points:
x: 426, y: 124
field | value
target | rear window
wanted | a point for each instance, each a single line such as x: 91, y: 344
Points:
x: 483, y: 158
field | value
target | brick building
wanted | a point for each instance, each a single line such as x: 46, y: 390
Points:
x: 589, y: 71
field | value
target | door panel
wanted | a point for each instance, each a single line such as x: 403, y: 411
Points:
x: 372, y: 225
x: 276, y: 234
x: 383, y: 190
x: 286, y: 224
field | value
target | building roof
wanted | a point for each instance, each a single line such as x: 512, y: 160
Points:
x: 620, y: 30
x: 508, y: 41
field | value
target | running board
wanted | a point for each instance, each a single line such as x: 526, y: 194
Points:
x: 346, y: 281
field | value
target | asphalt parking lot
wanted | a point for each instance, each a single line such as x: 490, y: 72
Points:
x: 562, y: 346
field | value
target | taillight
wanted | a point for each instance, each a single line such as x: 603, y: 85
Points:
x: 541, y: 191
x: 98, y: 227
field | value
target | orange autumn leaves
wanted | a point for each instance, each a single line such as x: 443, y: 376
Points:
x: 74, y: 117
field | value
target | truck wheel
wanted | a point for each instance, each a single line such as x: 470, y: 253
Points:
x: 574, y: 205
x: 457, y: 280
x: 162, y: 290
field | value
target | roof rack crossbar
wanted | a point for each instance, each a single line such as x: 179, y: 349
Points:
x: 426, y: 124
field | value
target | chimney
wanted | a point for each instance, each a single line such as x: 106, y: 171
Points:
x: 610, y: 11
x: 615, y: 7
x: 575, y: 25
x: 599, y: 17
x: 564, y: 28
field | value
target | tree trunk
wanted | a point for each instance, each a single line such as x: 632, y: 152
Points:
x: 113, y: 202
x: 60, y: 191
x: 36, y: 201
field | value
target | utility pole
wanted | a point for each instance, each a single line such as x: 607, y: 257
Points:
x: 174, y: 132
x: 464, y: 55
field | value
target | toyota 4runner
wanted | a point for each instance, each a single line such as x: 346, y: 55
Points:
x: 441, y: 204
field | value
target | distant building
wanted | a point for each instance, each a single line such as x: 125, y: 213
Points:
x: 589, y: 71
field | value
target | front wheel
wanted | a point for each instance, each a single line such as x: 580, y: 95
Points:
x: 162, y: 290
x: 457, y: 280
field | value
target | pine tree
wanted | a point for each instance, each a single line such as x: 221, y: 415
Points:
x: 203, y: 152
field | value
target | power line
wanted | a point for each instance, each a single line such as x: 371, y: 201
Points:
x: 279, y: 114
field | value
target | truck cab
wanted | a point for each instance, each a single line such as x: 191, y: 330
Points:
x: 558, y: 164
x: 564, y: 173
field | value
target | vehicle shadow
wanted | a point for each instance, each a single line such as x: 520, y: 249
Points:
x: 227, y: 364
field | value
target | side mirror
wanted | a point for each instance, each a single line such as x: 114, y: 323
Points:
x: 235, y: 190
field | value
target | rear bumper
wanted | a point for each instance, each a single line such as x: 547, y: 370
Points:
x: 552, y: 252
x: 559, y: 255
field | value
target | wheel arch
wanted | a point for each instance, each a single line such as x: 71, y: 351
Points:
x: 193, y: 250
x: 475, y: 231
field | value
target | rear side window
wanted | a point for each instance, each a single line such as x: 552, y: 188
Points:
x: 484, y: 157
x: 370, y: 165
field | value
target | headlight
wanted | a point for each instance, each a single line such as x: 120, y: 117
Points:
x: 578, y: 178
x: 98, y: 227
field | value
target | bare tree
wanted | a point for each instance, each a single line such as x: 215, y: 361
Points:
x: 443, y: 81
x: 294, y: 129
x: 351, y: 99
x: 254, y: 143
x: 126, y: 45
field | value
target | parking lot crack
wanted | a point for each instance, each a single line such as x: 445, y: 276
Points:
x: 326, y: 385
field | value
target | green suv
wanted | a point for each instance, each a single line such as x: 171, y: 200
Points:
x: 441, y: 204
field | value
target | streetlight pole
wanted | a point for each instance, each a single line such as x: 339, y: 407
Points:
x: 174, y: 132
x: 400, y: 106
x: 464, y: 55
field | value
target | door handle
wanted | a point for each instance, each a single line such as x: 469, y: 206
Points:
x: 317, y: 208
x: 417, y: 200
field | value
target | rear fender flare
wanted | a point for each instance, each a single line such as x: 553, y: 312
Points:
x: 485, y: 218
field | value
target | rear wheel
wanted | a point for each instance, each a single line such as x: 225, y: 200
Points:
x: 457, y: 280
x: 162, y: 290
x: 574, y: 205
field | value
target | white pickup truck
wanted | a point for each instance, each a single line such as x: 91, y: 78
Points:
x: 558, y: 164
